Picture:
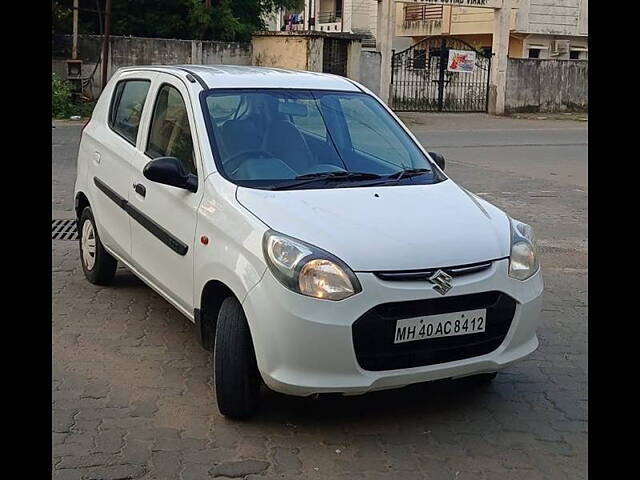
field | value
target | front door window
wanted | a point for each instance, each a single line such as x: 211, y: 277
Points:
x: 170, y: 134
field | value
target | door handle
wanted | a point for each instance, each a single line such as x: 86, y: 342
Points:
x: 96, y: 157
x: 140, y: 189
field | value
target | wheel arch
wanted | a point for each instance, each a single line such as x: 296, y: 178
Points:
x: 213, y: 294
x: 80, y: 202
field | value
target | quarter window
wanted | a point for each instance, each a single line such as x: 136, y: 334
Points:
x: 126, y: 109
x: 170, y: 134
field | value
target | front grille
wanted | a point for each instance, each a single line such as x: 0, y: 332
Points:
x: 402, y: 275
x: 373, y: 333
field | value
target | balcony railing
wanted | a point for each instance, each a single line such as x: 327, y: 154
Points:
x: 330, y: 16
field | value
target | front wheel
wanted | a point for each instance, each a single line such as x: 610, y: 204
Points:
x: 236, y: 374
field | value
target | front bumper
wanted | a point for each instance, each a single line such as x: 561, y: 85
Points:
x: 305, y: 345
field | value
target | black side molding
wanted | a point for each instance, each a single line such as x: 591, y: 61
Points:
x: 120, y: 201
x: 150, y: 225
x: 157, y: 231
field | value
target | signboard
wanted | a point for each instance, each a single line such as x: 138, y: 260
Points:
x: 458, y: 3
x: 462, y: 61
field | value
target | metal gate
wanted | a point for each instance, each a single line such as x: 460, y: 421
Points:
x: 422, y: 78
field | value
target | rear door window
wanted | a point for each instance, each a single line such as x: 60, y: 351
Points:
x: 126, y: 108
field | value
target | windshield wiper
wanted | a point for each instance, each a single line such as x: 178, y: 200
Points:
x: 307, y: 178
x: 339, y: 175
x: 408, y: 172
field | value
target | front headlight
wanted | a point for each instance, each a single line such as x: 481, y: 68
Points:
x: 523, y: 262
x: 308, y: 270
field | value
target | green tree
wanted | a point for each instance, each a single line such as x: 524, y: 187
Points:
x: 151, y: 18
x: 249, y: 15
x: 61, y: 98
x: 231, y: 20
x: 60, y: 18
x: 227, y: 20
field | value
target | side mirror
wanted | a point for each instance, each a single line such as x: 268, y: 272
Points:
x: 170, y: 171
x: 438, y: 158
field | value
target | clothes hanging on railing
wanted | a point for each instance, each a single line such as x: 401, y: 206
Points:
x: 292, y: 21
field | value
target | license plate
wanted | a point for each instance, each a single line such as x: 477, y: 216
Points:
x: 442, y: 325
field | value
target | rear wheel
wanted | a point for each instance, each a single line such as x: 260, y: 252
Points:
x: 98, y: 265
x: 236, y: 374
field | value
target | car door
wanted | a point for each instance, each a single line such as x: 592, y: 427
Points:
x: 164, y: 217
x: 112, y: 148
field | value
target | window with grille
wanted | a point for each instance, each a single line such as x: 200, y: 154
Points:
x: 422, y: 12
x: 334, y: 56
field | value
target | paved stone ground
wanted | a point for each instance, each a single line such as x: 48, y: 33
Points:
x: 133, y: 396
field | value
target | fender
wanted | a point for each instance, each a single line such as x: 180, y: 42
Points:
x: 212, y: 294
x: 232, y: 252
x: 240, y: 285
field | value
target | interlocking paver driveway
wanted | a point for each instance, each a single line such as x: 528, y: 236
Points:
x: 133, y: 397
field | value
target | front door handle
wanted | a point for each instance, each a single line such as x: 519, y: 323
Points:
x: 140, y: 189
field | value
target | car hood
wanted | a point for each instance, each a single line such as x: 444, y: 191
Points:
x: 404, y: 227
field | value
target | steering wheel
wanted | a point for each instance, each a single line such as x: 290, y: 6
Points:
x: 235, y: 161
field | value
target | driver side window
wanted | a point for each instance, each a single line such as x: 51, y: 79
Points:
x: 170, y: 133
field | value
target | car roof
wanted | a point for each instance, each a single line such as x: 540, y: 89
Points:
x: 240, y: 76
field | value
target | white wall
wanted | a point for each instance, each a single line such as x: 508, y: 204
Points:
x: 546, y: 42
x: 553, y: 17
x: 364, y: 15
x: 358, y: 16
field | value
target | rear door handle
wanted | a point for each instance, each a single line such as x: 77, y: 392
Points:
x: 140, y: 189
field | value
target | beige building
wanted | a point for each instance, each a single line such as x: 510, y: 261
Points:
x: 337, y: 53
x: 545, y: 29
x: 332, y: 16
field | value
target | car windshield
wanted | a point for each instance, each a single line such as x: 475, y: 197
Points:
x: 282, y: 139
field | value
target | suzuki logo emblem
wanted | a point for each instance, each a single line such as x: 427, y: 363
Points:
x: 442, y: 282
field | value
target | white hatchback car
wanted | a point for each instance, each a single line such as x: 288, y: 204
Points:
x: 303, y: 228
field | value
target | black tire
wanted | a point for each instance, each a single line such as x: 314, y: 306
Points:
x: 104, y: 267
x: 236, y: 374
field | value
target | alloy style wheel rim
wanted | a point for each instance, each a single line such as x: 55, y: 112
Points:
x: 88, y: 245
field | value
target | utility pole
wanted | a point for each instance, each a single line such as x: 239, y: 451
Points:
x: 105, y: 46
x: 74, y: 49
x: 74, y: 66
